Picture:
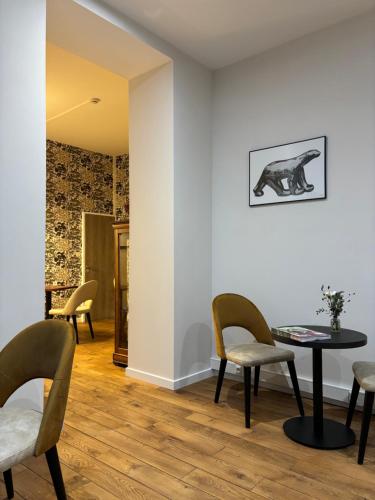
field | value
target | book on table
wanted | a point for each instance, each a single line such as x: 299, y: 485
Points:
x: 301, y: 334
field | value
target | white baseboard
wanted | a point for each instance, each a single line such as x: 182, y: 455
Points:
x: 281, y: 382
x: 169, y: 383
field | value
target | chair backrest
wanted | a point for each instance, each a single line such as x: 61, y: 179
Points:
x: 43, y: 350
x: 84, y: 293
x: 230, y: 309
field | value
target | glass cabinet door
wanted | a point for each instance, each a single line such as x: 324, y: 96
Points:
x: 123, y: 288
x: 120, y: 354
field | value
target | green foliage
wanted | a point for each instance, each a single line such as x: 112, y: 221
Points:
x: 334, y: 302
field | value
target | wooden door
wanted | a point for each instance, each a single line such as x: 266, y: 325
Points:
x: 99, y: 262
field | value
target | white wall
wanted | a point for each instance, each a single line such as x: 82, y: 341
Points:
x: 190, y: 216
x: 322, y: 84
x: 192, y: 221
x: 151, y: 231
x: 22, y: 181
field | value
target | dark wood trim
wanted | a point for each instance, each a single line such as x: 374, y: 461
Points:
x: 353, y: 402
x: 74, y: 317
x: 220, y: 378
x: 256, y: 380
x: 88, y: 316
x: 120, y: 354
x: 55, y: 471
x: 8, y: 480
x: 247, y: 390
x: 366, y: 419
x: 293, y: 376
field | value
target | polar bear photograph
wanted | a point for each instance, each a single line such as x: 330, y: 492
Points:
x: 287, y: 177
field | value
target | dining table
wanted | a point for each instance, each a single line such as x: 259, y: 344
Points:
x: 316, y: 431
x: 48, y: 300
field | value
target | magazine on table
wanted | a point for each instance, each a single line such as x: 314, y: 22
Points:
x: 301, y: 334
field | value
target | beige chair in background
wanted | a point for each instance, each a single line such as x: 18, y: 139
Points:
x: 80, y: 302
x: 364, y: 377
x: 229, y: 310
x: 43, y: 350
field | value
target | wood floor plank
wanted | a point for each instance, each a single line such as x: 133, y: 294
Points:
x: 72, y: 479
x: 218, y: 487
x: 237, y: 474
x: 91, y: 491
x: 32, y: 487
x: 156, y: 479
x: 117, y: 484
x: 271, y: 489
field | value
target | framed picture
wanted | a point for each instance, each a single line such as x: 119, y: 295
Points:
x: 290, y: 172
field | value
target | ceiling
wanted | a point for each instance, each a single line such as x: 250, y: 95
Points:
x: 221, y: 32
x: 71, y: 80
x: 80, y: 31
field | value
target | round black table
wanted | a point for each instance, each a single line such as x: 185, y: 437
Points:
x: 317, y: 431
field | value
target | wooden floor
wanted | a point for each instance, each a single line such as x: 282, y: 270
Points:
x: 126, y: 439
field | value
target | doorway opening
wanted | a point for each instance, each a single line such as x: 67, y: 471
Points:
x: 107, y: 44
x: 87, y: 192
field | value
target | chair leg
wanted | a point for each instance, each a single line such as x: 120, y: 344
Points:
x: 8, y: 480
x: 90, y: 324
x: 353, y: 402
x: 75, y: 327
x: 247, y: 389
x: 55, y: 471
x: 220, y: 378
x: 68, y: 319
x: 293, y: 376
x: 256, y: 380
x: 366, y: 418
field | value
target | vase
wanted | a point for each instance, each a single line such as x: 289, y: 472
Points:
x: 335, y: 324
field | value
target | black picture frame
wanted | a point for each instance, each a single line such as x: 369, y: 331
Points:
x: 287, y: 172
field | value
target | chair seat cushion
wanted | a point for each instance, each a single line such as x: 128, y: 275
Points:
x: 364, y: 372
x: 19, y: 430
x: 255, y: 354
x: 56, y: 312
x: 83, y: 309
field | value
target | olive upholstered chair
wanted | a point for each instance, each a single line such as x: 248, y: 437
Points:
x: 43, y: 350
x: 229, y: 310
x: 79, y: 302
x: 364, y: 376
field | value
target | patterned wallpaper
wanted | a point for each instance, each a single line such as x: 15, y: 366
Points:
x: 121, y: 184
x: 78, y: 181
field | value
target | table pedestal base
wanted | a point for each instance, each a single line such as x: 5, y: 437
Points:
x: 335, y: 435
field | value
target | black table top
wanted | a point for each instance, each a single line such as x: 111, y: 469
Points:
x: 345, y: 339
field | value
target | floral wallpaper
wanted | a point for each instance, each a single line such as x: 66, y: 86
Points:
x: 121, y: 187
x: 78, y: 181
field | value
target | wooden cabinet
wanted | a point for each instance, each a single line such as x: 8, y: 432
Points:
x: 121, y: 239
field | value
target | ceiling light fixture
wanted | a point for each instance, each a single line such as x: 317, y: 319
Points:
x: 93, y: 100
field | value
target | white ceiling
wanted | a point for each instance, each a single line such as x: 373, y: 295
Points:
x: 221, y: 32
x: 81, y: 32
x: 72, y: 80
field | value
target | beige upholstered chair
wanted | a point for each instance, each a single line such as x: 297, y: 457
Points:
x: 80, y: 302
x: 43, y: 350
x: 364, y: 376
x: 230, y: 309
